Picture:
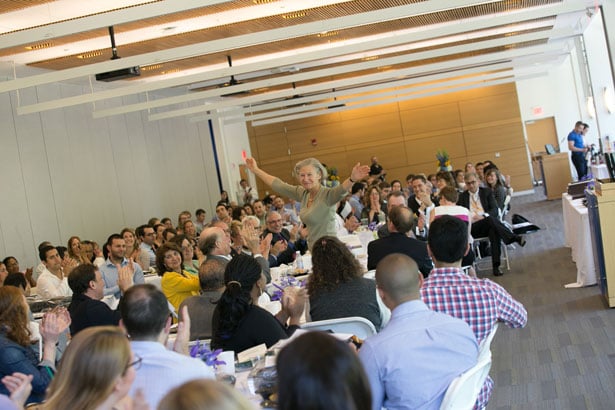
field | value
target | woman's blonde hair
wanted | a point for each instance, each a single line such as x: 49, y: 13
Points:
x: 204, y: 394
x: 89, y: 370
x: 320, y: 168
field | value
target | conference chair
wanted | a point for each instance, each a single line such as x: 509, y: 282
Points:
x: 355, y: 325
x: 464, y: 389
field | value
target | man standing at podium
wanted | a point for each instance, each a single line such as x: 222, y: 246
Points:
x: 577, y: 148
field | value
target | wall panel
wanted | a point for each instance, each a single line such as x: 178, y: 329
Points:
x: 470, y: 125
x: 68, y: 174
x: 429, y: 119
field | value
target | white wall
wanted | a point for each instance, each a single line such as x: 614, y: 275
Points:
x: 63, y: 173
x: 600, y: 74
x: 231, y: 140
x: 561, y: 94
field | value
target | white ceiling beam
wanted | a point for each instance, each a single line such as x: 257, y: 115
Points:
x: 398, y: 91
x: 348, y: 81
x: 111, y: 18
x: 341, y: 69
x: 372, y: 17
x: 265, y: 63
x: 404, y: 98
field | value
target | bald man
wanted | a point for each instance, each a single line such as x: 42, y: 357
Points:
x: 412, y: 361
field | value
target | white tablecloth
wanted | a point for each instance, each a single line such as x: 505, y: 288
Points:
x: 600, y: 171
x: 578, y: 238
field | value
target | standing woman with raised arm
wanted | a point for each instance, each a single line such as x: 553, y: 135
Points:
x: 317, y: 201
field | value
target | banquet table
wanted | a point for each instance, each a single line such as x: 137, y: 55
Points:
x: 600, y: 171
x: 578, y: 238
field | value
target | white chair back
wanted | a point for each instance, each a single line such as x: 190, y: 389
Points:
x: 485, y: 346
x: 463, y: 390
x: 358, y: 326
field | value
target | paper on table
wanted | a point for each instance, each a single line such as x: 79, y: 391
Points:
x: 255, y: 351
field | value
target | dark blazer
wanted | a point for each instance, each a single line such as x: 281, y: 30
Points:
x: 414, y: 206
x: 288, y: 256
x: 487, y: 200
x: 86, y: 312
x: 399, y: 243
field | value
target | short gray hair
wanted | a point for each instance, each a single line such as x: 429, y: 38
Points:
x: 314, y: 163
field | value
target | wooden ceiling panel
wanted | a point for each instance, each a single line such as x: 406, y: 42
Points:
x: 12, y: 5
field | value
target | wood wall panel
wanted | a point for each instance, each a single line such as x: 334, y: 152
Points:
x: 326, y: 135
x: 429, y: 119
x: 424, y: 150
x: 470, y: 125
x: 488, y: 109
x: 268, y: 129
x: 315, y: 121
x: 271, y: 146
x: 489, y: 140
x: 369, y: 111
x: 371, y: 129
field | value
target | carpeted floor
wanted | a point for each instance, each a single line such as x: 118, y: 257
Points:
x: 565, y: 357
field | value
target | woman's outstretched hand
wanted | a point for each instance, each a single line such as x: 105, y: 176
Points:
x: 251, y: 164
x: 359, y: 172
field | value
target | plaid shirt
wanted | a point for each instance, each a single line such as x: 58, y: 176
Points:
x: 480, y: 302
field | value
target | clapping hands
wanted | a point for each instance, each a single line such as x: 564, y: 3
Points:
x: 54, y: 323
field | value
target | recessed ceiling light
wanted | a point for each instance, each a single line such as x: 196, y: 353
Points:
x: 89, y: 55
x: 151, y: 67
x: 38, y: 46
x: 294, y: 15
x: 328, y: 34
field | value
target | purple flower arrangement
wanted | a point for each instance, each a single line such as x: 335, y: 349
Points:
x: 202, y: 351
x: 285, y: 282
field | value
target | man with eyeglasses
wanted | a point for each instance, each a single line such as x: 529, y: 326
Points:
x: 147, y: 320
x: 483, y: 210
x: 284, y: 244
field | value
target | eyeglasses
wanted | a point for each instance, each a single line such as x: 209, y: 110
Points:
x: 275, y: 221
x: 136, y: 363
x: 470, y: 182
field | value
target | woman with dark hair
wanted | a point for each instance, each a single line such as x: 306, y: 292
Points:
x: 96, y: 372
x: 176, y: 283
x: 460, y: 180
x: 12, y: 266
x: 238, y: 322
x: 493, y: 181
x: 337, y: 287
x: 444, y: 178
x: 238, y: 213
x: 3, y: 273
x: 191, y: 266
x: 16, y: 354
x: 224, y: 198
x: 372, y: 207
x: 318, y: 372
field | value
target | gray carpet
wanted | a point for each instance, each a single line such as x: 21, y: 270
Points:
x: 565, y: 357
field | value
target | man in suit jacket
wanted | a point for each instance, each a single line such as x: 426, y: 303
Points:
x: 400, y: 223
x: 283, y: 247
x: 215, y: 243
x: 485, y: 222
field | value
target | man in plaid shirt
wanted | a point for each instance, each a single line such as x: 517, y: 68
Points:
x: 480, y: 302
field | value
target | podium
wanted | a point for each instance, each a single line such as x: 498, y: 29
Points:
x: 556, y: 175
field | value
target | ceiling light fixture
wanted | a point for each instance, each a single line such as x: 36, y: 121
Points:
x: 91, y: 54
x: 327, y: 34
x: 151, y: 67
x: 38, y: 46
x: 296, y: 15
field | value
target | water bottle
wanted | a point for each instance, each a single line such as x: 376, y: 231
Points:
x: 307, y: 261
x: 298, y: 263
